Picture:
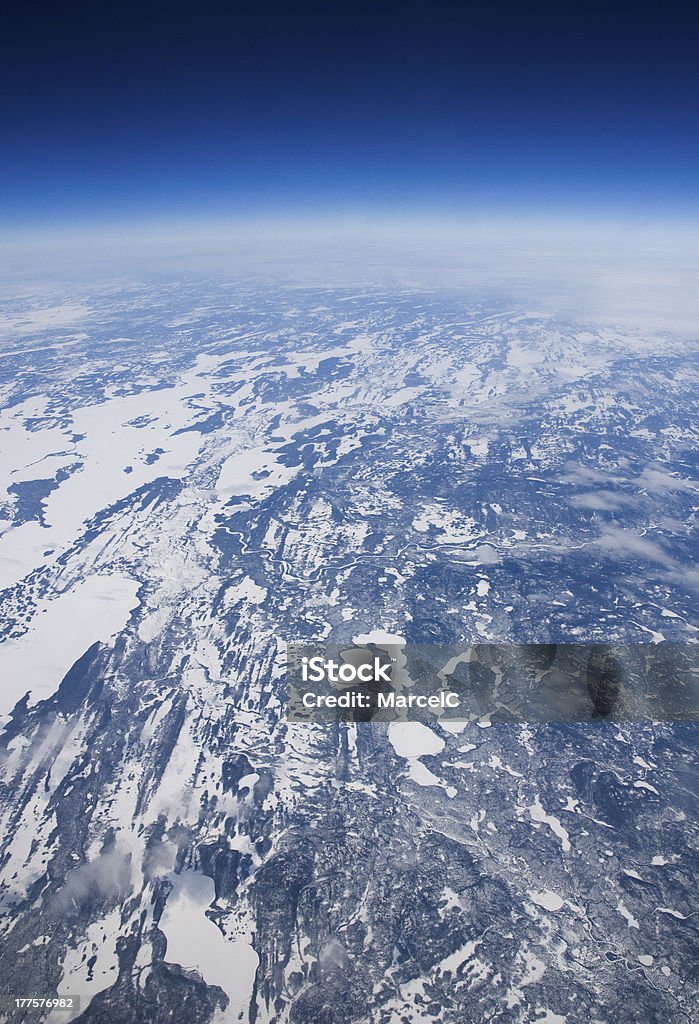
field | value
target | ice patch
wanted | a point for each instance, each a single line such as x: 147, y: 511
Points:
x: 413, y: 739
x: 60, y: 632
x: 195, y: 943
x: 627, y: 915
x: 537, y: 813
x: 546, y: 899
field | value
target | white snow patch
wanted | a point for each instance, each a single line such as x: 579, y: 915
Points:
x: 639, y: 784
x: 627, y: 915
x: 413, y: 739
x: 537, y: 813
x: 85, y: 981
x: 546, y: 899
x: 196, y: 943
x: 61, y: 631
x: 671, y: 912
x: 246, y: 590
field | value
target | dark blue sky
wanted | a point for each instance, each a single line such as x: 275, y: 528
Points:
x: 114, y: 110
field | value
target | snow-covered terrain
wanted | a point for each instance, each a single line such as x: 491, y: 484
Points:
x: 195, y: 473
